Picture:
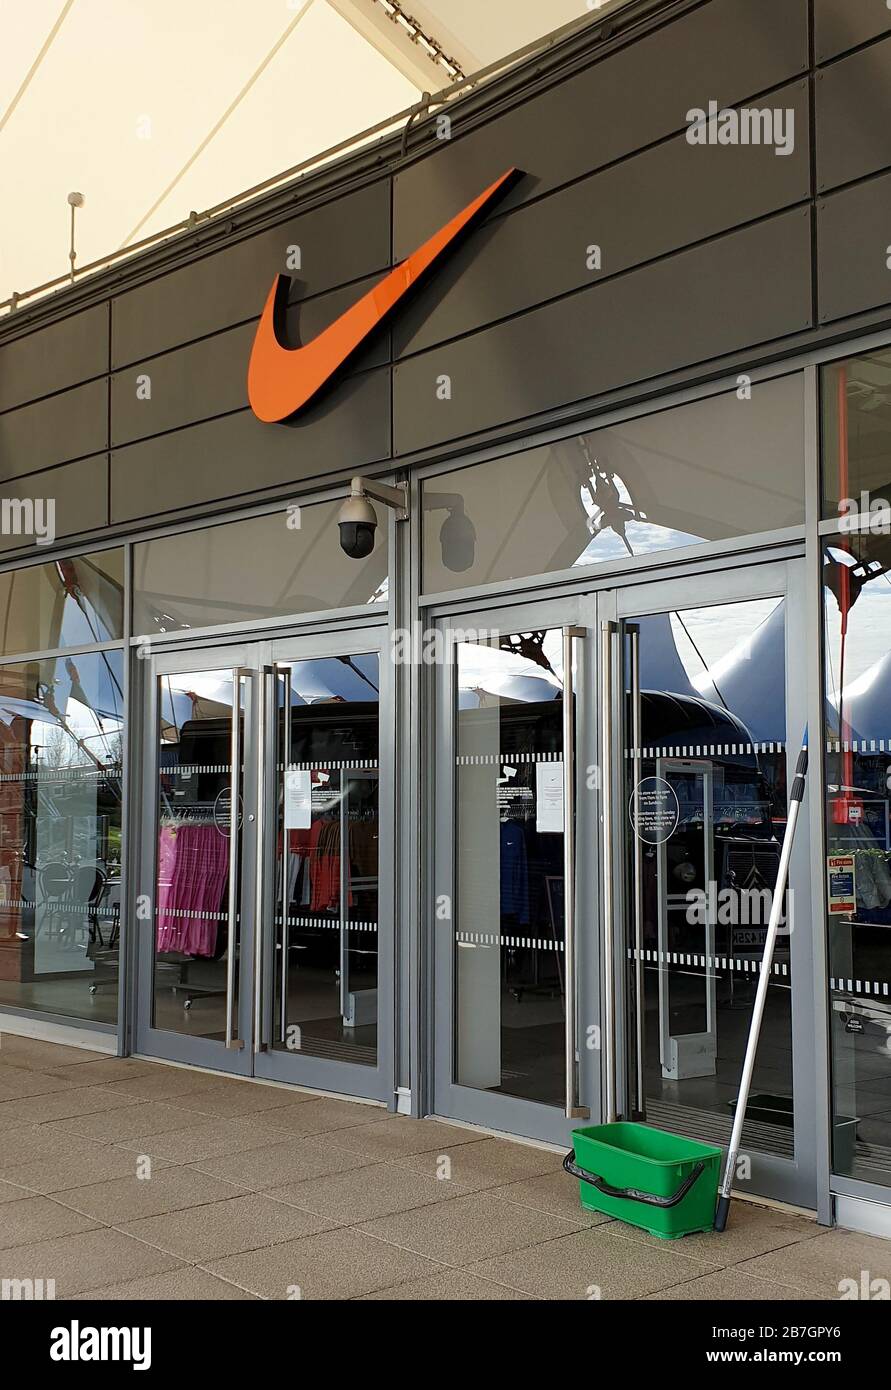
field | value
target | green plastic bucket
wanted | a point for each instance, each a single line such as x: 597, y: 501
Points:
x: 661, y: 1182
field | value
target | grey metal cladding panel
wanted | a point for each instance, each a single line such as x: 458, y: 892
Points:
x: 727, y: 51
x: 209, y: 377
x: 80, y: 491
x: 339, y: 241
x: 853, y: 238
x: 854, y: 117
x: 63, y: 427
x: 51, y: 359
x: 193, y: 383
x: 237, y: 455
x: 648, y: 206
x: 843, y: 24
x: 749, y: 287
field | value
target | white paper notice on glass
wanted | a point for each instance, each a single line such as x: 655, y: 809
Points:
x: 549, y: 798
x: 298, y: 799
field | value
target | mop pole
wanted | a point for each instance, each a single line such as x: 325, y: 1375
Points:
x: 776, y: 912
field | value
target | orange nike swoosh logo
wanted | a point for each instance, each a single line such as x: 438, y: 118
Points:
x: 282, y: 380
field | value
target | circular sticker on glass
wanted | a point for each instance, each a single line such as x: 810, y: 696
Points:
x: 222, y: 811
x: 654, y: 810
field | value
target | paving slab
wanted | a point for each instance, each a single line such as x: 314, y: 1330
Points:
x: 33, y: 1143
x: 17, y: 1082
x: 399, y: 1136
x: 484, y: 1163
x: 194, y: 1142
x: 454, y: 1286
x: 251, y: 1222
x: 72, y: 1101
x: 29, y: 1053
x: 826, y: 1263
x: 469, y: 1228
x: 591, y: 1264
x: 126, y: 1199
x: 338, y: 1264
x: 291, y: 1161
x: 70, y: 1170
x: 84, y: 1261
x: 360, y: 1194
x: 184, y: 1285
x: 321, y: 1116
x: 730, y: 1286
x: 39, y: 1218
x: 554, y: 1193
x: 752, y: 1230
x: 126, y: 1121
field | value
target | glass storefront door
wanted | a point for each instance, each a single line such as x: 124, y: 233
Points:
x: 710, y: 718
x: 266, y: 848
x: 510, y: 809
x: 324, y: 904
x: 634, y: 745
x: 858, y: 864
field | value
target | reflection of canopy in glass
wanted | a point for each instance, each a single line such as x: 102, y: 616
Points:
x: 208, y: 695
x: 509, y: 689
x: 861, y: 705
x: 97, y: 597
x: 45, y: 691
x: 670, y: 721
x: 81, y: 696
x: 751, y: 680
x: 63, y: 602
x: 705, y: 471
x: 866, y: 703
x: 12, y: 708
x: 179, y: 706
x: 661, y: 667
x: 347, y: 678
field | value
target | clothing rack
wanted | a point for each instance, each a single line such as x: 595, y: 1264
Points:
x: 197, y: 814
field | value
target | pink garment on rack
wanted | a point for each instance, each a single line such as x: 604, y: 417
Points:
x: 193, y: 866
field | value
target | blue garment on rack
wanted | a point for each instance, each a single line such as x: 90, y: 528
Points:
x: 514, y: 873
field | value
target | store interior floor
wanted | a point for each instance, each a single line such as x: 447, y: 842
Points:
x: 128, y: 1179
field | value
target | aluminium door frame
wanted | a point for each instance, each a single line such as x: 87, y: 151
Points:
x: 255, y: 655
x: 488, y: 1109
x: 796, y: 1180
x: 316, y: 1073
x: 149, y: 1040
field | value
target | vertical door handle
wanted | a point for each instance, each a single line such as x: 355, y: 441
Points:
x: 344, y: 893
x: 633, y: 632
x: 284, y: 674
x: 234, y: 856
x: 608, y: 633
x: 261, y: 849
x: 574, y: 1111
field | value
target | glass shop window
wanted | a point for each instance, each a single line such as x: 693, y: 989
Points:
x: 244, y: 571
x: 64, y: 603
x: 857, y: 435
x: 730, y: 465
x: 61, y: 752
x: 857, y: 616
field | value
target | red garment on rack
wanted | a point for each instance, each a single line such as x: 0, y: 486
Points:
x: 324, y: 867
x: 193, y: 870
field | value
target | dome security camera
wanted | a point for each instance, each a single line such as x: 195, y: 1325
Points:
x: 357, y: 524
x: 357, y: 521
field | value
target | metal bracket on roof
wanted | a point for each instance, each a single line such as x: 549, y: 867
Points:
x: 422, y: 106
